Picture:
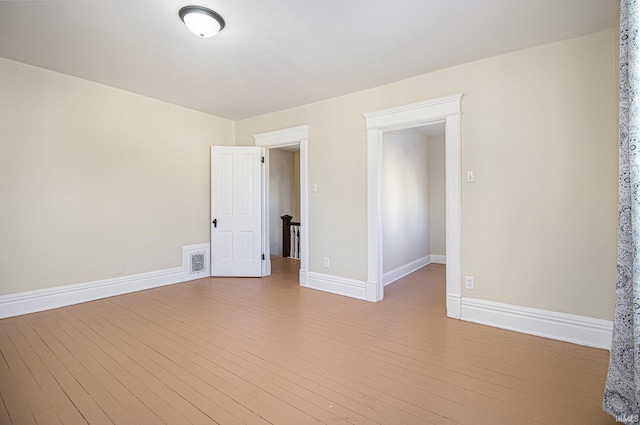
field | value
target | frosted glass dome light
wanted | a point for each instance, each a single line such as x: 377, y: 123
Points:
x: 201, y: 21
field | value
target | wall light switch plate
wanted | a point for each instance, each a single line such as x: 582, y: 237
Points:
x: 471, y: 177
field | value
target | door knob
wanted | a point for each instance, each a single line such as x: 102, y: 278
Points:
x: 215, y: 222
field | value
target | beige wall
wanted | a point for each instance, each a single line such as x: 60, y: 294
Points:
x: 92, y: 177
x: 539, y: 129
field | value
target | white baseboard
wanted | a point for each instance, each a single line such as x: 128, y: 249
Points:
x: 402, y: 271
x: 303, y: 278
x: 337, y: 285
x: 438, y: 259
x: 60, y: 296
x: 549, y: 324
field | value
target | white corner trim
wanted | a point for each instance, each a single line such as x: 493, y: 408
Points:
x: 303, y: 278
x: 337, y: 285
x: 549, y: 324
x: 438, y: 259
x: 60, y: 296
x: 402, y: 271
x: 371, y: 292
x: 453, y: 306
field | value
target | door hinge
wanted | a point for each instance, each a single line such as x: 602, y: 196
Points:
x: 263, y: 256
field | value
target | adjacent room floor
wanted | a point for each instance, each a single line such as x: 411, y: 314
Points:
x: 266, y: 351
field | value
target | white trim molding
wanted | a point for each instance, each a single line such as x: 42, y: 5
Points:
x: 279, y: 139
x: 447, y: 109
x: 414, y: 114
x: 402, y: 271
x: 548, y: 324
x: 61, y: 296
x: 438, y: 259
x: 303, y: 278
x: 337, y: 285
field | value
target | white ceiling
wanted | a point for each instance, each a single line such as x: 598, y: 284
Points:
x: 277, y: 54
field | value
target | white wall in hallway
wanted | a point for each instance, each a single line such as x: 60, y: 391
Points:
x: 283, y: 197
x: 405, y: 186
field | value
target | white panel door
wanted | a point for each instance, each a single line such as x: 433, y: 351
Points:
x: 236, y: 211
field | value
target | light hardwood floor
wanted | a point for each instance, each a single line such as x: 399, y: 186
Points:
x: 265, y: 351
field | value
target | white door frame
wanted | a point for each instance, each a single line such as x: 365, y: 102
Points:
x: 279, y: 139
x: 410, y: 116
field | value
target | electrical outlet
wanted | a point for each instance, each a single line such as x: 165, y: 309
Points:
x: 326, y: 263
x: 120, y: 268
x: 469, y: 282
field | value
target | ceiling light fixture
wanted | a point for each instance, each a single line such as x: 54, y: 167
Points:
x: 201, y: 21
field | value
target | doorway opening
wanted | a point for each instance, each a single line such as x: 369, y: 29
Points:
x: 413, y: 200
x: 292, y: 140
x: 284, y: 201
x: 442, y: 110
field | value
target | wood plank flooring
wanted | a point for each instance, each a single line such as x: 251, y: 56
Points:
x: 265, y: 351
